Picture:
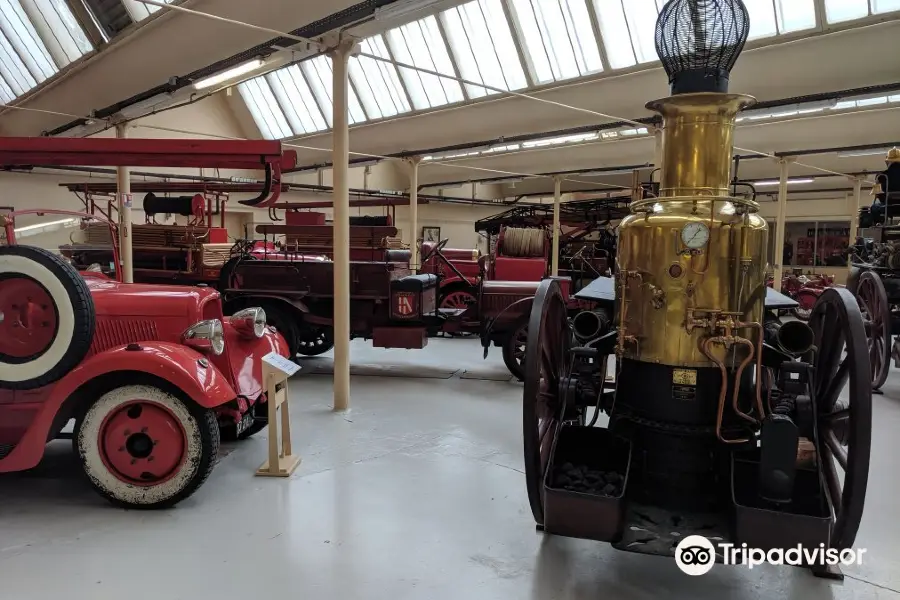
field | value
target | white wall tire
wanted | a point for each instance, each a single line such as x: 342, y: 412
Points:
x: 47, y: 317
x: 142, y: 447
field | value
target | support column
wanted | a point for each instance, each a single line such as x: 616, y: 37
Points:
x: 780, y: 221
x: 854, y: 201
x: 123, y: 191
x: 341, y: 218
x: 557, y: 199
x: 414, y: 210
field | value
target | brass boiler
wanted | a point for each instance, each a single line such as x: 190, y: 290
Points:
x: 684, y: 301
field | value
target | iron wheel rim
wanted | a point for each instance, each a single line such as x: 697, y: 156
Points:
x: 546, y: 352
x: 873, y: 303
x: 844, y: 426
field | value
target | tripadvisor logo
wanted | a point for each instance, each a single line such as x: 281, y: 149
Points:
x: 696, y: 555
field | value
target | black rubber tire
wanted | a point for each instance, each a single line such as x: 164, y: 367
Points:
x: 286, y: 325
x: 200, y: 467
x: 322, y: 348
x: 77, y: 301
x: 509, y: 359
x: 227, y: 431
x: 227, y: 270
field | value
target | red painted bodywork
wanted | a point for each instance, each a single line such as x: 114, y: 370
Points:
x: 139, y: 329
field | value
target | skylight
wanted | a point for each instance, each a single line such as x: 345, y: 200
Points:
x: 483, y: 46
x: 837, y: 11
x: 506, y: 44
x: 558, y: 38
x: 138, y: 11
x: 377, y: 83
x: 421, y: 44
x: 37, y: 39
x: 320, y: 77
x: 626, y: 38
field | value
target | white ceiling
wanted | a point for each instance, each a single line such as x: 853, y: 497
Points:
x: 825, y: 59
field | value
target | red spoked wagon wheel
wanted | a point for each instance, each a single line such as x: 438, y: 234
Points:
x: 514, y: 350
x: 142, y: 447
x: 458, y: 298
x: 876, y: 313
x: 546, y: 365
x: 46, y: 317
x: 843, y: 395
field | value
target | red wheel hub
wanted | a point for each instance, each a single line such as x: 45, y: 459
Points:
x: 28, y: 319
x: 142, y: 443
x: 457, y: 299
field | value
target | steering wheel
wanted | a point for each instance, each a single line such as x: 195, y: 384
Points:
x: 434, y: 250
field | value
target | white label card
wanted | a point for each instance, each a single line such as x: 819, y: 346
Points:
x: 285, y: 365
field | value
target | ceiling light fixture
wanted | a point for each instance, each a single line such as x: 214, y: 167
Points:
x: 869, y: 152
x: 776, y: 182
x: 232, y: 73
x: 403, y: 8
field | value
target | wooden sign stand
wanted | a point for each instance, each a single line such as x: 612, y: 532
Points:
x: 282, y: 462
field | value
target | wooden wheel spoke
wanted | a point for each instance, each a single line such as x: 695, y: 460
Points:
x: 839, y: 452
x: 832, y: 481
x: 839, y: 415
x: 837, y: 383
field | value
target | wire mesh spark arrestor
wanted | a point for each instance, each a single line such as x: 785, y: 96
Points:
x: 281, y: 462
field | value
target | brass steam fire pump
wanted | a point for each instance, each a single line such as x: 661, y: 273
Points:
x: 723, y: 422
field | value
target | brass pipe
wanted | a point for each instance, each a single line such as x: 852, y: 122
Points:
x: 737, y: 380
x: 759, y: 347
x: 723, y: 391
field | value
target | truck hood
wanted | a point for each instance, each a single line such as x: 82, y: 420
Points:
x: 115, y: 299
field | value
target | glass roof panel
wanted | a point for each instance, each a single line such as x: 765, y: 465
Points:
x: 296, y: 100
x: 883, y: 6
x: 319, y: 75
x: 558, y: 38
x: 482, y: 44
x: 795, y: 15
x: 139, y: 11
x: 13, y: 71
x: 24, y: 41
x: 614, y: 30
x: 62, y: 35
x: 762, y: 18
x: 378, y: 83
x: 421, y: 44
x: 264, y: 107
x: 845, y: 10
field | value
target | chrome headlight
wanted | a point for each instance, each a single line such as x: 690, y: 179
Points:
x: 206, y: 335
x: 249, y: 322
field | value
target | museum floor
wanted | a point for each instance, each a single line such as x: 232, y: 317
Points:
x: 416, y: 493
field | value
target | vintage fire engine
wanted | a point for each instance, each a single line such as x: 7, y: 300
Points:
x: 722, y: 423
x: 152, y: 375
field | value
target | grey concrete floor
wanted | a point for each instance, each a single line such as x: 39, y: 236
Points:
x: 417, y: 492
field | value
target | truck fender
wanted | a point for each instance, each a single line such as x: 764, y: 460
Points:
x: 243, y: 301
x: 488, y: 330
x: 179, y: 365
x: 456, y: 281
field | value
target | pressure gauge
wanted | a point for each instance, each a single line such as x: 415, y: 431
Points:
x: 695, y: 235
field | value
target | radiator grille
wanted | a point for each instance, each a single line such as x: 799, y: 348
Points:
x: 497, y: 302
x: 116, y: 332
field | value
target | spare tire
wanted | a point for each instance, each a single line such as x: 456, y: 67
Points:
x: 46, y: 317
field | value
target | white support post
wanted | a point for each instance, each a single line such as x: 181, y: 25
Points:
x: 854, y: 201
x: 341, y: 164
x: 414, y: 210
x: 780, y: 221
x: 557, y: 199
x: 123, y: 189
